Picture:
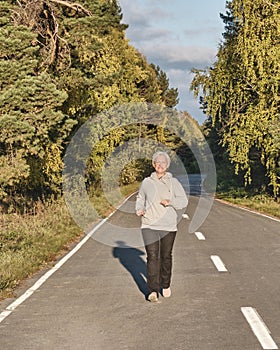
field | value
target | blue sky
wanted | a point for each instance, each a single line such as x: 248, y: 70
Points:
x: 177, y: 35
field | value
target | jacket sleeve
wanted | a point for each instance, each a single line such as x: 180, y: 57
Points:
x: 179, y: 198
x: 140, y: 199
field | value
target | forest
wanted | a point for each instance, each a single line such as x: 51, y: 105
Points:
x: 61, y: 63
x: 64, y: 62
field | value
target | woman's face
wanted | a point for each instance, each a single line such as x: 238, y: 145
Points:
x: 160, y: 165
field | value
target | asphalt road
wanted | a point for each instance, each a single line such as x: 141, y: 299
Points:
x: 223, y: 275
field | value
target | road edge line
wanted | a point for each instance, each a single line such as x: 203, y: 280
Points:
x: 11, y: 307
x: 247, y: 209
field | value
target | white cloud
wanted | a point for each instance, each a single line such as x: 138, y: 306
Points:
x: 142, y: 15
x: 182, y: 79
x: 177, y: 36
x: 170, y: 56
x: 152, y: 35
x: 177, y: 61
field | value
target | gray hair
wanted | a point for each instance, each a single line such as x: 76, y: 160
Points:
x: 161, y: 153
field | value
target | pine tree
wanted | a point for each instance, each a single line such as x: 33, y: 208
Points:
x: 32, y: 129
x: 169, y: 96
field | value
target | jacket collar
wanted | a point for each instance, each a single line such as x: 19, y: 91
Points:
x: 166, y: 176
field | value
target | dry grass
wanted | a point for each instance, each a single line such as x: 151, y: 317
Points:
x: 30, y: 242
x: 259, y: 202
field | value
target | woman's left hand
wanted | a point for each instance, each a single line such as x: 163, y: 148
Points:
x: 165, y: 202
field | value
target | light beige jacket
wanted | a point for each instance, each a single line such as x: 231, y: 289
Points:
x: 152, y: 191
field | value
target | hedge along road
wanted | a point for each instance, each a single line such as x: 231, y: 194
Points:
x: 225, y: 292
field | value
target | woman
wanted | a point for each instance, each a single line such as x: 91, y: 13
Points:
x: 160, y: 195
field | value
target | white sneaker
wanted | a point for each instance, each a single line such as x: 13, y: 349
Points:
x: 166, y: 292
x: 153, y: 297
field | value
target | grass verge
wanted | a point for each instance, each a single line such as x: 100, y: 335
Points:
x: 31, y: 242
x: 259, y: 202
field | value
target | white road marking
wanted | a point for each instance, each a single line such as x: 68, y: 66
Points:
x: 218, y: 263
x: 9, y: 309
x: 259, y: 328
x: 4, y: 314
x: 247, y: 209
x: 200, y: 236
x: 48, y: 274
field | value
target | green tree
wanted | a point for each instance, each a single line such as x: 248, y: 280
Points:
x: 169, y: 96
x: 32, y: 128
x: 241, y: 89
x: 61, y: 63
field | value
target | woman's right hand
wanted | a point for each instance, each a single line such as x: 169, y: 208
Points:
x: 140, y: 213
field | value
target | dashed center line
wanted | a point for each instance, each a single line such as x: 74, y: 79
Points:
x: 200, y: 236
x: 259, y: 328
x: 255, y: 321
x: 217, y: 261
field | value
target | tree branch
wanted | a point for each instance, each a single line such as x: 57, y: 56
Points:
x: 53, y: 36
x: 74, y: 6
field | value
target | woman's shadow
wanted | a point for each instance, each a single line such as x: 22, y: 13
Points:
x: 131, y: 259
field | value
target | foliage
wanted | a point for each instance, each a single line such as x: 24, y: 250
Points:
x: 61, y: 63
x: 31, y: 124
x: 241, y: 89
x: 169, y: 96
